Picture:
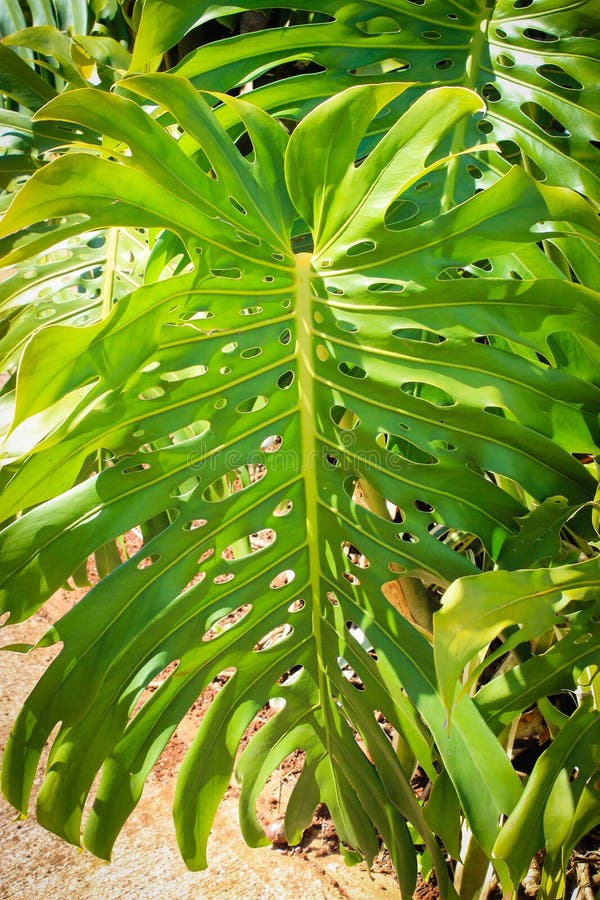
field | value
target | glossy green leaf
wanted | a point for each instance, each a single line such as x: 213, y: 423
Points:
x: 537, y: 67
x: 68, y: 286
x: 555, y: 670
x: 294, y: 434
x: 545, y: 813
x: 476, y: 610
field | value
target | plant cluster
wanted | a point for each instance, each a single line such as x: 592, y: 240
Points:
x: 308, y: 297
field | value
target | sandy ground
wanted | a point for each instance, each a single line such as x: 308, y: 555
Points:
x: 37, y: 865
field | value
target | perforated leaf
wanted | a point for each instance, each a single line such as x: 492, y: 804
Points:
x: 536, y: 65
x: 68, y: 286
x: 302, y: 431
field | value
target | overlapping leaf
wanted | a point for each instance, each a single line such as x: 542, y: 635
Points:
x: 345, y: 406
x: 475, y: 611
x: 536, y: 65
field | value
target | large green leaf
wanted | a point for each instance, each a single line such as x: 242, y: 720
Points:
x: 70, y: 285
x: 300, y: 430
x: 559, y: 782
x: 477, y: 610
x: 536, y: 65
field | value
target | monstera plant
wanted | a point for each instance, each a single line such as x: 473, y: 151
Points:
x: 352, y: 409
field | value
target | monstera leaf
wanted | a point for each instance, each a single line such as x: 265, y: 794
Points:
x: 535, y: 64
x: 74, y: 284
x: 47, y: 48
x: 297, y: 436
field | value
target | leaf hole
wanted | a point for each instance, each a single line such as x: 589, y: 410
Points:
x: 491, y: 93
x: 557, y: 75
x: 286, y: 380
x: 332, y: 597
x: 285, y: 336
x: 354, y: 555
x: 251, y: 311
x: 544, y: 120
x: 193, y: 524
x: 193, y: 582
x: 271, y: 444
x: 364, y: 494
x: 251, y: 352
x: 186, y: 488
x: 428, y: 392
x: 184, y: 374
x: 418, y: 334
x: 285, y: 577
x: 283, y: 509
x: 443, y: 65
x: 536, y: 34
x: 361, y: 247
x: 238, y: 206
x: 152, y: 393
x: 408, y: 537
x: 236, y: 480
x: 400, y: 446
x: 252, y: 543
x: 351, y: 370
x: 273, y: 637
x: 223, y: 578
x: 138, y: 467
x: 225, y: 622
x: 353, y: 579
x: 349, y: 674
x: 148, y: 561
x: 292, y: 675
x: 248, y: 239
x: 385, y: 287
x: 232, y: 273
x: 252, y: 404
x: 195, y: 315
x: 344, y: 418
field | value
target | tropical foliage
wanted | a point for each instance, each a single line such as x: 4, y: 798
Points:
x: 336, y: 357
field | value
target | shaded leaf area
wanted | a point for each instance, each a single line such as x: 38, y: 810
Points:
x: 45, y: 49
x: 560, y: 802
x: 535, y: 65
x: 67, y: 286
x: 352, y: 403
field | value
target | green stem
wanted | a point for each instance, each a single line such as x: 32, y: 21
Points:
x: 306, y: 381
x: 110, y: 267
